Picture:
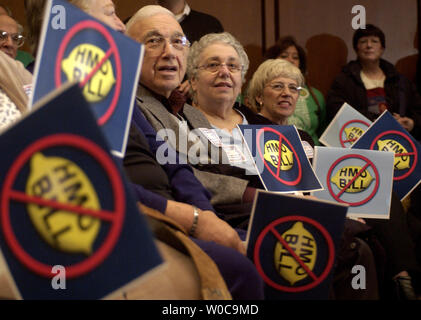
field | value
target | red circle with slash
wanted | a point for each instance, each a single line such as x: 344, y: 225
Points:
x: 414, y: 153
x: 90, y: 24
x: 271, y: 228
x: 343, y: 129
x: 276, y: 175
x: 369, y: 164
x: 115, y: 217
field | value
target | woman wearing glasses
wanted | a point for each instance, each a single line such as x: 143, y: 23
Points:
x: 310, y: 113
x: 274, y: 90
x: 216, y: 68
x: 273, y: 93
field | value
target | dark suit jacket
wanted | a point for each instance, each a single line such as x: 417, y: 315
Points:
x: 197, y: 24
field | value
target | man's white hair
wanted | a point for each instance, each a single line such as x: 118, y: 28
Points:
x: 146, y: 12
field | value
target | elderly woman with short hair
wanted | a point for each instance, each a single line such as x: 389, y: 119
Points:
x: 216, y: 68
x: 274, y: 89
x: 273, y: 93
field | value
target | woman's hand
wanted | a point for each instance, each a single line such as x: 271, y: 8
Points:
x: 405, y: 122
x: 184, y: 88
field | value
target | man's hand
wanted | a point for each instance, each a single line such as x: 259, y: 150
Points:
x: 212, y: 228
x: 209, y: 227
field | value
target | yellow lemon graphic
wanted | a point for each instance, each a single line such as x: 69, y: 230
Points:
x: 272, y: 155
x: 401, y: 162
x: 79, y: 64
x: 302, y: 242
x: 353, y: 133
x: 60, y: 180
x: 346, y: 174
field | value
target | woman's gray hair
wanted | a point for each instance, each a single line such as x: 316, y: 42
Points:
x: 145, y: 12
x: 266, y: 72
x: 211, y: 38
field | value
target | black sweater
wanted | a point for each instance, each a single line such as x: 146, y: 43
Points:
x: 401, y: 95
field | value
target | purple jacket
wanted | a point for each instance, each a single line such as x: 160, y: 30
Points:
x: 177, y: 180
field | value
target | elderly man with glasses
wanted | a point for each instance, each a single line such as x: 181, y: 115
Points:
x: 163, y: 68
x: 11, y: 37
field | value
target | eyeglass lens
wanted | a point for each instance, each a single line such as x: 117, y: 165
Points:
x: 16, y: 38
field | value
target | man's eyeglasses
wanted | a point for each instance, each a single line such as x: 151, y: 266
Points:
x: 213, y: 67
x: 17, y: 38
x: 157, y: 42
x: 279, y: 87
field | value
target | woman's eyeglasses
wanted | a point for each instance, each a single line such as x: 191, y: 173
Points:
x: 213, y: 67
x: 279, y: 87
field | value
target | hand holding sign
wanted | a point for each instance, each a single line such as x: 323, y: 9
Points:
x: 387, y: 134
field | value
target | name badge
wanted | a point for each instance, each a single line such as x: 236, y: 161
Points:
x: 212, y: 136
x: 234, y: 154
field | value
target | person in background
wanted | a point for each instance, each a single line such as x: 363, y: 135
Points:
x: 22, y: 56
x: 195, y: 24
x: 11, y: 37
x: 371, y: 84
x: 310, y: 111
x: 15, y: 81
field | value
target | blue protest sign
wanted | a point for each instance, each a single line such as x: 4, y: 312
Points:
x: 281, y: 161
x: 361, y: 179
x: 345, y: 128
x: 65, y: 202
x: 293, y: 243
x: 105, y: 62
x: 386, y: 134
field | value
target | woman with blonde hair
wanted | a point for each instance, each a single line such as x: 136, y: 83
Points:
x: 310, y: 113
x: 273, y: 93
